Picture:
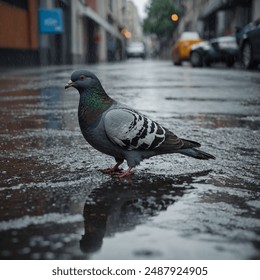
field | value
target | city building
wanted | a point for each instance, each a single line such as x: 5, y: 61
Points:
x: 133, y: 23
x: 44, y: 32
x: 221, y: 17
x: 19, y: 42
x: 96, y: 30
x: 214, y: 18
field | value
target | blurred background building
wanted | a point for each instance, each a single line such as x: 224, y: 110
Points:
x: 214, y: 18
x: 44, y: 32
x: 133, y: 23
x: 19, y: 41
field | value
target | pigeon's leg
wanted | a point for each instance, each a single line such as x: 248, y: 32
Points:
x: 125, y: 174
x: 113, y: 169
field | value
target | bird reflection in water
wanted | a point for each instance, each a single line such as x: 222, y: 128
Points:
x: 119, y: 206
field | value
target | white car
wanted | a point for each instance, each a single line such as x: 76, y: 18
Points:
x: 136, y: 49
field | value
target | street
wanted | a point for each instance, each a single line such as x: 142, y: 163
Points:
x: 57, y: 204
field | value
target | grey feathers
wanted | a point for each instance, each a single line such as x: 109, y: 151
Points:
x: 133, y: 131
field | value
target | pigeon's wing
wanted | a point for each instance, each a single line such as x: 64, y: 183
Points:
x: 134, y: 131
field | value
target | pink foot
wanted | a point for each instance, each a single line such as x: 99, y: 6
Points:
x: 111, y: 170
x: 125, y: 174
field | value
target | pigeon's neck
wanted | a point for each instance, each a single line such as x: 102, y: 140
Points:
x: 92, y: 104
x: 95, y: 99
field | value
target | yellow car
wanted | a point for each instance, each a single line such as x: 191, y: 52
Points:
x: 181, y: 49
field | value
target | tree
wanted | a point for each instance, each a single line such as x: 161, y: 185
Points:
x: 158, y: 19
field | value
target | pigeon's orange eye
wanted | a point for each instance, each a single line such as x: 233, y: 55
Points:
x: 82, y: 77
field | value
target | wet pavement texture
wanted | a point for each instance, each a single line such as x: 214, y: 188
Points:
x: 56, y: 204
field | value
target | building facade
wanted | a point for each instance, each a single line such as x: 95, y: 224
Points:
x: 91, y: 32
x: 214, y: 18
x: 132, y: 22
x: 95, y: 31
x: 19, y: 42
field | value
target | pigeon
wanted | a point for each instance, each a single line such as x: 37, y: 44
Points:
x: 119, y: 131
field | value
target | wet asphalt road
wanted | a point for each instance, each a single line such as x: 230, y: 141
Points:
x: 56, y: 204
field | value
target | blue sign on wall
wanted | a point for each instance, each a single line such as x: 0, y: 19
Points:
x: 51, y: 20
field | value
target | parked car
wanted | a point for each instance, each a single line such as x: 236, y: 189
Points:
x: 181, y: 49
x: 222, y: 49
x: 136, y: 49
x: 248, y: 39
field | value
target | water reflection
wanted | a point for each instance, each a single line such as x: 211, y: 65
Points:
x: 52, y: 97
x: 118, y: 206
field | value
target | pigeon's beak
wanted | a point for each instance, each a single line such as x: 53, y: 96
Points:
x: 69, y: 84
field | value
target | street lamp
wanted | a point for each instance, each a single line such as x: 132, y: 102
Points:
x: 174, y: 17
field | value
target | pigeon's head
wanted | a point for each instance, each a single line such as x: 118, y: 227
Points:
x: 82, y: 80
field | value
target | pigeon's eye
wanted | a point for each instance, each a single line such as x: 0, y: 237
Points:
x: 82, y: 77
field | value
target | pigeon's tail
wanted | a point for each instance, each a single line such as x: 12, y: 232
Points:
x: 191, y: 152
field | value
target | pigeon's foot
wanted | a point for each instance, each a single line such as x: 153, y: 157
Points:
x: 124, y: 174
x: 112, y: 170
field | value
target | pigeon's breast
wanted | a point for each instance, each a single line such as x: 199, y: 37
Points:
x: 96, y: 136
